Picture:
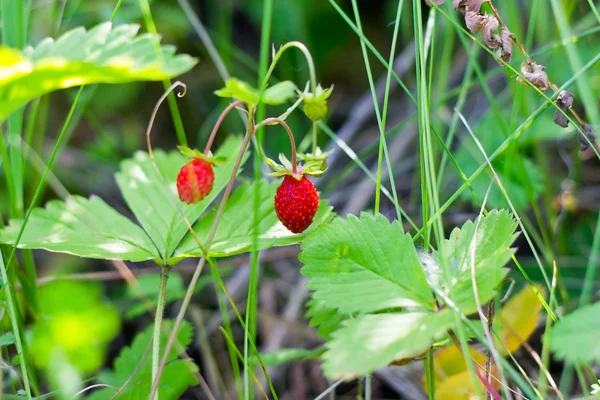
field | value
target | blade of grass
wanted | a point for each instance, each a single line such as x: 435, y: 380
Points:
x: 252, y: 305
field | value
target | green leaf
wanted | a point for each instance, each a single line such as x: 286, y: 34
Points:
x: 364, y: 265
x: 575, y: 337
x: 83, y: 227
x: 283, y: 356
x: 236, y: 228
x: 104, y: 54
x: 326, y: 319
x: 178, y: 375
x: 372, y: 341
x: 155, y: 204
x: 279, y: 93
x: 274, y: 95
x: 240, y: 90
x: 494, y: 234
x: 7, y: 339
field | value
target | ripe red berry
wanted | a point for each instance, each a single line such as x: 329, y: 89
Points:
x: 195, y: 181
x: 296, y: 203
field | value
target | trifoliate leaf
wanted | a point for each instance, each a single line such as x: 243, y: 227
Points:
x: 103, y: 54
x: 363, y: 265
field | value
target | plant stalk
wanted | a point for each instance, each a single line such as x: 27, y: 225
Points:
x: 160, y: 309
x: 190, y: 291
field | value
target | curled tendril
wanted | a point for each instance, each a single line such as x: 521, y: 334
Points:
x: 171, y: 88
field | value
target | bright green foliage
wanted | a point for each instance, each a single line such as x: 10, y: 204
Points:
x: 74, y: 325
x: 575, y: 337
x: 371, y: 341
x: 235, y: 232
x: 494, y: 234
x: 274, y: 95
x: 327, y: 320
x: 101, y: 55
x: 364, y: 265
x: 84, y: 227
x: 372, y: 296
x: 178, y: 375
x: 91, y: 228
x: 155, y: 203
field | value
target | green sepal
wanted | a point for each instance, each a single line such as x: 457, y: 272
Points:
x: 197, y: 154
x: 315, y: 104
x: 318, y: 157
x: 313, y: 167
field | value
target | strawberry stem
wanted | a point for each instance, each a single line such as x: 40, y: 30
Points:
x: 155, y: 111
x: 307, y: 55
x: 190, y: 291
x: 213, y: 133
x: 274, y: 121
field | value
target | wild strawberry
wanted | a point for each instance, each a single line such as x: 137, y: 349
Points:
x: 195, y: 181
x: 296, y: 203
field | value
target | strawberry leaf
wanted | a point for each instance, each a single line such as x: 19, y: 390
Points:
x: 178, y: 375
x: 363, y: 265
x: 83, y: 227
x: 494, y: 234
x: 236, y: 228
x: 103, y: 54
x: 372, y: 341
x: 154, y: 203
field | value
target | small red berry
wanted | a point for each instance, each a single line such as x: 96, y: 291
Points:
x: 195, y: 181
x: 296, y: 203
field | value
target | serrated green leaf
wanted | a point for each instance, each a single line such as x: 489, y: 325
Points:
x: 83, y: 227
x: 372, y: 341
x: 178, y: 375
x: 103, y: 54
x: 575, y: 337
x: 326, y: 319
x: 279, y: 93
x: 153, y: 203
x: 494, y: 235
x: 235, y: 232
x: 364, y: 265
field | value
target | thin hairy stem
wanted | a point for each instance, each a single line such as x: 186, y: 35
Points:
x: 224, y: 114
x: 275, y: 121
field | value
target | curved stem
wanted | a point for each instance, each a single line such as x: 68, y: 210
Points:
x: 274, y: 121
x: 190, y: 291
x: 307, y: 55
x: 160, y: 308
x: 213, y: 133
x: 157, y: 106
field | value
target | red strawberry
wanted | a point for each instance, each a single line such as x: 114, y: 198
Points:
x: 296, y: 203
x: 195, y: 181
